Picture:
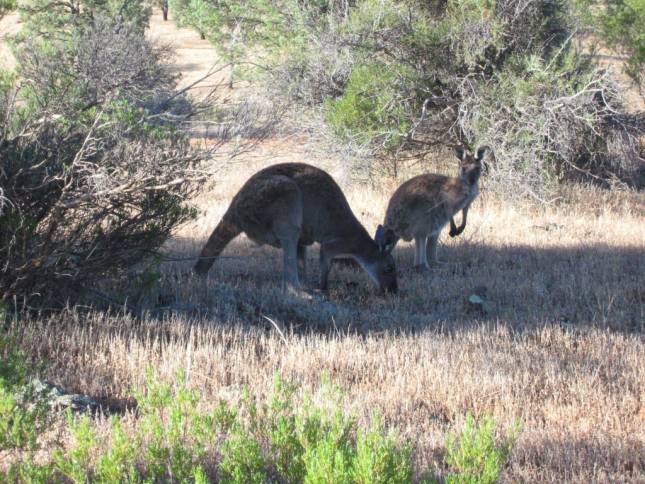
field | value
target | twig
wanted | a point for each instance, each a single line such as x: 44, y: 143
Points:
x: 275, y: 325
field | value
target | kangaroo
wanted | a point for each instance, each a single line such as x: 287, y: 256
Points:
x: 291, y: 206
x: 422, y: 206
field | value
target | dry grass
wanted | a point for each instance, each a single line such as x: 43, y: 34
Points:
x: 561, y: 347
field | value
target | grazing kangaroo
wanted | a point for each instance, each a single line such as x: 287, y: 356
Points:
x: 293, y: 205
x: 422, y: 206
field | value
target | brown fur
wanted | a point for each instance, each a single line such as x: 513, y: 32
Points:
x: 291, y: 206
x: 422, y: 206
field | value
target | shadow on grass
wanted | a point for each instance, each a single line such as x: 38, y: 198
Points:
x: 520, y: 286
x: 615, y: 459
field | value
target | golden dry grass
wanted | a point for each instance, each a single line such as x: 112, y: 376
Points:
x: 560, y: 348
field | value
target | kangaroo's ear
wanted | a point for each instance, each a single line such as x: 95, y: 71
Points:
x: 385, y: 239
x: 460, y: 153
x: 481, y: 151
x: 390, y: 240
x: 379, y: 236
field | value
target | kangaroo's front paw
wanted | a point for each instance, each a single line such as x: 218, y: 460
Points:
x: 298, y: 293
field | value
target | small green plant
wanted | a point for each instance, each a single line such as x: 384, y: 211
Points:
x: 242, y: 460
x: 285, y: 437
x: 379, y: 458
x: 476, y: 455
x: 76, y: 464
x: 21, y: 414
x: 119, y: 461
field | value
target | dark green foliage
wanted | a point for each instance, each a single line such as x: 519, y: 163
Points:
x: 53, y: 20
x: 620, y: 24
x: 6, y: 6
x: 373, y: 105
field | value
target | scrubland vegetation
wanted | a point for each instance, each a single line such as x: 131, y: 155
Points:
x: 519, y: 359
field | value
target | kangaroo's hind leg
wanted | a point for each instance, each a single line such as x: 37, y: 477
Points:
x: 291, y: 282
x: 431, y: 254
x: 286, y: 227
x: 420, y: 261
x: 302, y: 260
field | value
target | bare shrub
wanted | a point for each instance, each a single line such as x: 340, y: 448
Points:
x: 96, y: 168
x: 542, y: 129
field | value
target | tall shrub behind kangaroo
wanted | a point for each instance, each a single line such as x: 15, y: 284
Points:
x: 291, y: 206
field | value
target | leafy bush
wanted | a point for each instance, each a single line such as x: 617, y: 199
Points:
x: 398, y: 76
x: 174, y: 441
x: 476, y: 455
x: 6, y: 6
x: 51, y: 19
x: 619, y: 24
x: 370, y: 107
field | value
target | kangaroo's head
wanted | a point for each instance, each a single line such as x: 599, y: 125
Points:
x: 470, y: 166
x: 380, y: 264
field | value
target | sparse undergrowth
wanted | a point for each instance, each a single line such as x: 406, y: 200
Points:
x: 288, y: 437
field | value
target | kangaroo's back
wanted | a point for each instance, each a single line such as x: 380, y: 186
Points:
x: 326, y: 214
x: 291, y: 206
x: 419, y: 203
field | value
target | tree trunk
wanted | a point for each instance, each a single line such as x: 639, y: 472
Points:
x: 164, y: 9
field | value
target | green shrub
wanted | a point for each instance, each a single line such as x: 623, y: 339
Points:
x: 280, y: 438
x: 54, y: 19
x: 6, y: 6
x: 620, y: 25
x: 22, y: 416
x: 476, y: 455
x: 118, y: 463
x: 380, y: 458
x: 373, y: 105
x: 394, y: 77
x: 76, y: 464
x: 284, y: 438
x: 242, y: 459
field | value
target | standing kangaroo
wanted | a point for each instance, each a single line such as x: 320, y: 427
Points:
x: 293, y: 205
x: 422, y: 206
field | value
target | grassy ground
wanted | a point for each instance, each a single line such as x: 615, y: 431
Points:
x: 560, y: 345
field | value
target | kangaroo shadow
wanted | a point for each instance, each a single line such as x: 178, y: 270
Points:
x: 520, y: 286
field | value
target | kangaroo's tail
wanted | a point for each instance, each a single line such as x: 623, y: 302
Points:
x: 225, y: 231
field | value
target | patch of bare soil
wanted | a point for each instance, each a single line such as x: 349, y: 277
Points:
x: 9, y: 25
x: 194, y: 58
